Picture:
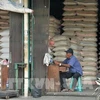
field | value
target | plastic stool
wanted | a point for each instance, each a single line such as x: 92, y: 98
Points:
x: 79, y: 84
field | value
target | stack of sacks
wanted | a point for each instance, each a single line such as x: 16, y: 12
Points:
x: 89, y: 63
x: 75, y: 45
x: 99, y: 57
x: 54, y: 29
x: 80, y: 16
x: 61, y: 44
x: 4, y: 20
x: 4, y: 44
x: 98, y: 54
x: 54, y: 26
x: 80, y: 20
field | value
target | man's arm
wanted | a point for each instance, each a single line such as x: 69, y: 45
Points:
x: 64, y: 65
x: 61, y: 64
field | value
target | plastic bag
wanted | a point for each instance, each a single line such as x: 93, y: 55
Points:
x: 36, y: 93
x: 47, y: 59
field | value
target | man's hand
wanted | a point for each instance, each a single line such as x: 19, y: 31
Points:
x: 61, y: 64
x: 56, y: 62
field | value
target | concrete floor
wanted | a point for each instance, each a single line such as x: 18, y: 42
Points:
x: 53, y: 98
x: 84, y: 95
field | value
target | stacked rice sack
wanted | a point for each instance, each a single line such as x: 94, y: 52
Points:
x: 4, y: 34
x: 98, y: 56
x: 75, y: 45
x: 4, y: 44
x: 54, y: 29
x: 80, y: 23
x: 89, y: 63
x: 54, y: 25
x: 61, y: 44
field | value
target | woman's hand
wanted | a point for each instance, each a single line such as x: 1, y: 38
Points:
x: 56, y: 62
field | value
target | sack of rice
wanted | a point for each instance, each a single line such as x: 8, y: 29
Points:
x: 76, y: 46
x: 92, y: 1
x: 79, y: 18
x: 69, y: 33
x: 60, y: 54
x: 87, y: 13
x: 73, y: 8
x: 89, y: 73
x: 4, y: 33
x: 91, y: 8
x: 80, y: 58
x: 61, y: 43
x: 79, y: 2
x: 4, y: 44
x: 90, y: 49
x: 88, y: 1
x: 79, y: 24
x: 60, y: 38
x: 86, y: 29
x: 84, y: 34
x: 88, y: 4
x: 5, y: 39
x: 91, y: 14
x: 89, y: 68
x: 90, y: 39
x: 60, y: 48
x: 59, y: 58
x: 4, y: 50
x: 86, y: 63
x: 90, y: 44
x: 4, y: 56
x: 73, y: 18
x: 52, y: 24
x: 77, y: 52
x: 88, y: 82
x: 90, y: 59
x: 52, y: 34
x: 80, y: 8
x: 69, y: 13
x: 54, y: 30
x: 72, y: 29
x: 67, y: 2
x: 89, y: 78
x: 88, y: 54
x: 53, y: 19
x: 75, y: 40
x: 83, y: 29
x: 95, y: 20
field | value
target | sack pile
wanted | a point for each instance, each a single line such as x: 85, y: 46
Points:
x: 54, y: 25
x: 75, y: 45
x: 4, y: 35
x: 4, y: 44
x: 89, y: 63
x: 80, y: 25
x: 61, y: 44
x: 57, y: 43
